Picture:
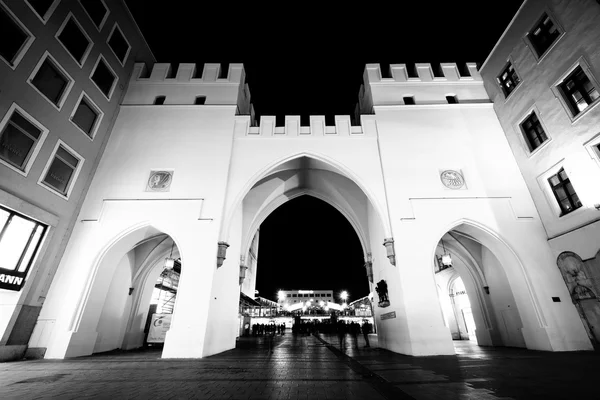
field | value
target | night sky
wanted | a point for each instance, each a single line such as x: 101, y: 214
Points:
x: 303, y: 59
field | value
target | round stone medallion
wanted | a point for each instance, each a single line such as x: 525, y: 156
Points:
x: 452, y: 179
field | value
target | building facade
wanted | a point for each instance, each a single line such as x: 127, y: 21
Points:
x: 544, y: 79
x: 423, y: 162
x: 64, y: 68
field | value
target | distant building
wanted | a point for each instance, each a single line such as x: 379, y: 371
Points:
x: 64, y: 69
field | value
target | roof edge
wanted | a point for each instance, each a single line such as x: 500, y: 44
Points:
x: 503, y: 34
x: 138, y: 28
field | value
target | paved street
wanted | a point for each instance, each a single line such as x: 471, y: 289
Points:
x: 307, y: 367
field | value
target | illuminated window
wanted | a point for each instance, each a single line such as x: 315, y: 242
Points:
x: 578, y: 91
x: 20, y: 239
x: 564, y: 192
x: 533, y: 132
x: 508, y: 79
x: 543, y: 35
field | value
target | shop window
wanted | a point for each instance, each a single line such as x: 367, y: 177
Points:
x: 543, y: 35
x: 62, y: 170
x: 15, y: 38
x: 86, y: 116
x: 20, y: 239
x: 533, y: 132
x: 564, y: 192
x: 72, y: 36
x: 118, y: 44
x: 19, y: 138
x: 96, y: 10
x: 104, y: 77
x: 578, y: 91
x: 508, y: 79
x: 51, y: 81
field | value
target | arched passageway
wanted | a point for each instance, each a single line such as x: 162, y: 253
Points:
x: 307, y: 179
x: 131, y: 296
x: 476, y: 297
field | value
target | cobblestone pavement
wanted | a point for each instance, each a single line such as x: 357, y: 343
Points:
x: 307, y: 367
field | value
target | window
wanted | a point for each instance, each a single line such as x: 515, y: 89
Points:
x: 16, y: 39
x: 104, y: 78
x: 200, y: 100
x: 20, y: 138
x: 533, y: 132
x: 86, y: 116
x: 578, y: 91
x: 543, y: 35
x: 74, y: 39
x: 96, y: 10
x: 409, y: 100
x: 43, y: 8
x: 62, y: 170
x: 452, y: 99
x: 159, y: 100
x: 289, y: 295
x: 564, y: 192
x: 118, y: 44
x: 508, y: 79
x: 20, y: 239
x: 51, y: 80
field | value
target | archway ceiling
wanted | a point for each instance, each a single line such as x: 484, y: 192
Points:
x: 305, y: 176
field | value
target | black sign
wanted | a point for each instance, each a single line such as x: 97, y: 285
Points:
x: 11, y: 282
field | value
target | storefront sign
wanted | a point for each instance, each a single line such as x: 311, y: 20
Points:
x: 388, y: 315
x: 11, y: 282
x: 158, y: 328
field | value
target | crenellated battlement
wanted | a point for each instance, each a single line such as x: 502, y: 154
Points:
x: 188, y: 73
x: 185, y: 84
x: 425, y: 72
x: 292, y: 127
x: 425, y: 84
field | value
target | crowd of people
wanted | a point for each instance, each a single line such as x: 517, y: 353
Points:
x: 340, y: 327
x: 268, y: 329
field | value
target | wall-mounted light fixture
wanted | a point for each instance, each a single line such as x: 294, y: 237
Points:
x: 170, y: 261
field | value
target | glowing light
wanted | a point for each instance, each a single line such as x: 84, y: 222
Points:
x: 281, y: 295
x: 447, y: 259
x: 344, y: 295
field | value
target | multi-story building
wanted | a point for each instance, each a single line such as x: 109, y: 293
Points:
x: 543, y: 76
x: 287, y: 298
x: 187, y: 174
x: 64, y: 69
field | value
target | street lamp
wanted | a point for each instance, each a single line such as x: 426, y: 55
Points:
x: 344, y: 296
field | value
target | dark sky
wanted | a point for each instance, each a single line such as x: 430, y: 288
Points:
x: 308, y: 59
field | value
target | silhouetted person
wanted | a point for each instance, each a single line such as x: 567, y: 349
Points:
x: 341, y: 332
x: 366, y: 329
